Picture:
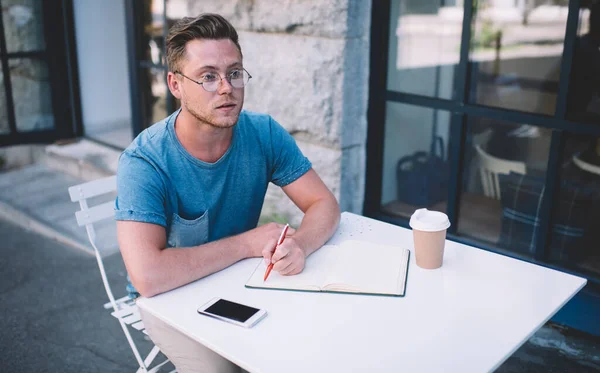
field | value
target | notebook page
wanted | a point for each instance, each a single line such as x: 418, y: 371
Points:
x: 316, y: 267
x: 367, y: 268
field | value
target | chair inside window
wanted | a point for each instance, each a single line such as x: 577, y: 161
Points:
x: 123, y: 309
x: 573, y: 233
x: 489, y: 169
x: 591, y: 168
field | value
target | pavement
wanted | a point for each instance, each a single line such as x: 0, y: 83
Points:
x: 51, y: 299
x: 51, y: 294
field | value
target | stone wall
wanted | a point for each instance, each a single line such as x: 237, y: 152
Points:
x: 309, y: 62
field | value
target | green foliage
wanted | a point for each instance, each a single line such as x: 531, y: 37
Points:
x: 273, y: 218
x: 487, y: 36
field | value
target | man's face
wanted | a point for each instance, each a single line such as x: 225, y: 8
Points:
x: 222, y: 107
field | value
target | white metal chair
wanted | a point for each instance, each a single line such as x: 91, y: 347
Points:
x: 489, y: 169
x: 589, y: 167
x: 123, y: 309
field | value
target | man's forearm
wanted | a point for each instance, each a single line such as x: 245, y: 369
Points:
x: 154, y: 269
x: 174, y: 267
x: 318, y: 225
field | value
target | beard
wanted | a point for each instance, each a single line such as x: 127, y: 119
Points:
x: 213, y: 119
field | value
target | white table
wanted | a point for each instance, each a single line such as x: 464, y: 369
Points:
x: 468, y: 316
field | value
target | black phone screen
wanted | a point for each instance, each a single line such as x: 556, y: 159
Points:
x: 231, y: 310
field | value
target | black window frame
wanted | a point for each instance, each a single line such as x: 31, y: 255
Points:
x: 134, y: 14
x: 60, y: 57
x: 460, y: 109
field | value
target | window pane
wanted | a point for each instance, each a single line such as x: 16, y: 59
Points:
x: 23, y: 26
x: 153, y: 31
x: 31, y: 94
x: 153, y: 93
x: 154, y: 27
x: 415, y: 166
x: 584, y: 88
x: 424, y: 47
x: 505, y: 167
x: 3, y: 110
x: 516, y: 54
x: 576, y: 226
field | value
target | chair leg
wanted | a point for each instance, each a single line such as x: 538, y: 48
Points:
x: 138, y: 357
x: 156, y: 368
x: 150, y: 358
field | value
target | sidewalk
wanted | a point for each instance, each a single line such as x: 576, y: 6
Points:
x: 51, y: 299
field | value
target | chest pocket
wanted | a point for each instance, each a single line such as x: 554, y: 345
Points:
x: 186, y: 233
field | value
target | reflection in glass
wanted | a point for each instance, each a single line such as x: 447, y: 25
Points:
x: 23, y: 26
x: 424, y: 47
x: 584, y: 88
x: 415, y: 166
x: 153, y: 30
x: 505, y: 166
x: 153, y: 93
x: 516, y: 54
x: 31, y: 94
x: 4, y: 128
x: 576, y: 217
x: 154, y: 27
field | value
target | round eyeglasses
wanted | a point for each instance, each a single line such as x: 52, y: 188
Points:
x: 238, y: 78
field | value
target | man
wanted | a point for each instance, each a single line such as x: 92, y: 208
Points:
x: 197, y: 180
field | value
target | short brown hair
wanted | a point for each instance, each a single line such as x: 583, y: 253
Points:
x: 205, y: 26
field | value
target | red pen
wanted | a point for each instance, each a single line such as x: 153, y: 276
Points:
x: 279, y: 242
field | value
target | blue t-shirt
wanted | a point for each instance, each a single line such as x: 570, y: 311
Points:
x: 159, y: 182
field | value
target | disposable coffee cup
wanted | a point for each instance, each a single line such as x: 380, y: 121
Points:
x: 429, y: 235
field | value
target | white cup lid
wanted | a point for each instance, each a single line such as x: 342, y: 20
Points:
x: 429, y: 221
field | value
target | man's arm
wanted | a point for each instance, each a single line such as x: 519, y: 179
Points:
x: 321, y: 218
x: 154, y: 270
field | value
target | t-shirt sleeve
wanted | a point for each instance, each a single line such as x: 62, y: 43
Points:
x: 288, y: 161
x: 141, y: 192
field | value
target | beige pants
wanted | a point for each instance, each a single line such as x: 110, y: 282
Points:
x: 187, y: 355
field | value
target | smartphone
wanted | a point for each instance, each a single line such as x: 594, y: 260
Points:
x: 235, y: 313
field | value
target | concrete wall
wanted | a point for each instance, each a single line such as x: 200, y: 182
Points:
x: 17, y: 156
x: 309, y: 62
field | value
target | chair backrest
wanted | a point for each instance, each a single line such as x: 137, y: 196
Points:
x: 489, y: 169
x: 87, y: 216
x: 589, y: 167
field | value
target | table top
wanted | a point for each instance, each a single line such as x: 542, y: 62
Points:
x: 467, y: 316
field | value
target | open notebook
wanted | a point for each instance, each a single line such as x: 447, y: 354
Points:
x: 350, y: 267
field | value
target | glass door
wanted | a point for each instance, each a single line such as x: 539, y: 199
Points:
x: 36, y: 100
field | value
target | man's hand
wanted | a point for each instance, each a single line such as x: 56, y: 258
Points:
x: 287, y: 258
x: 321, y: 218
